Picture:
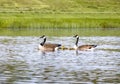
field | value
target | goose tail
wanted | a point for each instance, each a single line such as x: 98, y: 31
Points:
x: 59, y: 45
x: 94, y: 46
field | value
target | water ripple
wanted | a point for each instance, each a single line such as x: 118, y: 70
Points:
x: 22, y: 63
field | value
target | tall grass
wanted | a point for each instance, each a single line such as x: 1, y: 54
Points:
x: 59, y: 31
x: 60, y: 5
x: 59, y: 14
x: 37, y: 20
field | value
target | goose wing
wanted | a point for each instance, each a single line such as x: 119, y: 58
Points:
x: 51, y: 45
x: 86, y: 47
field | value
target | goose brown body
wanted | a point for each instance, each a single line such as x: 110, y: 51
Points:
x: 86, y: 47
x: 83, y: 47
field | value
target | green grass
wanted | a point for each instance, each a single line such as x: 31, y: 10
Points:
x: 60, y: 5
x: 59, y: 14
x: 59, y: 31
x: 37, y: 20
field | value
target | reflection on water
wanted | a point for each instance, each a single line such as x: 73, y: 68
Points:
x: 22, y: 63
x: 60, y: 31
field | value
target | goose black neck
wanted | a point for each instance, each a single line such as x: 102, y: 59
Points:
x: 43, y: 42
x: 77, y: 41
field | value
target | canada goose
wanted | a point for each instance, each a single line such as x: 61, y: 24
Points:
x: 48, y: 47
x: 83, y: 47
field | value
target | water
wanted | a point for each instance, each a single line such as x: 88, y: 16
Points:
x: 22, y: 63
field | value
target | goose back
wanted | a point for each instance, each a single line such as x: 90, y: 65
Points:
x: 86, y: 47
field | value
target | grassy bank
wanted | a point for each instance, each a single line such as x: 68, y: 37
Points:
x: 60, y: 6
x: 64, y: 20
x: 59, y: 31
x: 59, y: 14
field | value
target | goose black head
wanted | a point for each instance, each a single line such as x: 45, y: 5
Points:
x: 44, y: 40
x: 76, y: 36
x: 43, y: 36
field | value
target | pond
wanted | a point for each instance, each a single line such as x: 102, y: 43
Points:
x: 22, y: 63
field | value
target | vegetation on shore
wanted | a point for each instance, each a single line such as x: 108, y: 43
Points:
x: 59, y: 14
x: 59, y: 20
x: 60, y: 31
x: 58, y: 6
